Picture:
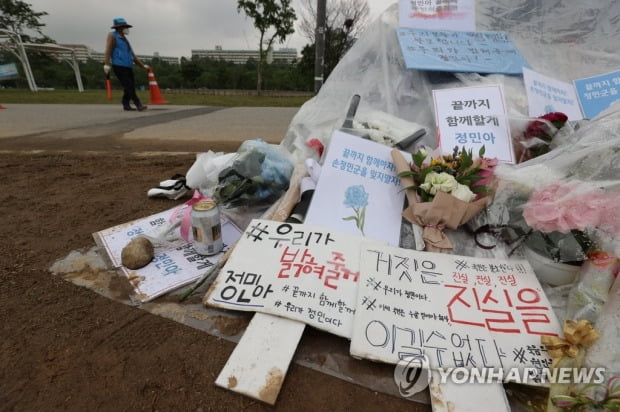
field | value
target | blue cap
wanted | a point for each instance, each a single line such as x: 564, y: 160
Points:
x: 119, y: 22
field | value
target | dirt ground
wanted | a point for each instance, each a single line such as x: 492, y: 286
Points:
x: 64, y: 347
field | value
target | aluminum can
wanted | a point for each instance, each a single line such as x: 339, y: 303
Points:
x: 206, y: 228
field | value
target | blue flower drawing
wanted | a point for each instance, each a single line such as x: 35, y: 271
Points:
x: 356, y: 198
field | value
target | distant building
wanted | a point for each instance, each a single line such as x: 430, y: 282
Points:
x: 288, y: 55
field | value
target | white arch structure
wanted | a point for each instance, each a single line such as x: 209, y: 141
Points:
x: 12, y: 42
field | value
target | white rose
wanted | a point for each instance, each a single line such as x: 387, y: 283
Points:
x: 442, y: 182
x: 462, y: 192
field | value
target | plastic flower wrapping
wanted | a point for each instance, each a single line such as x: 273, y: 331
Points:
x: 563, y: 204
x: 444, y: 191
x: 538, y: 136
x: 258, y: 174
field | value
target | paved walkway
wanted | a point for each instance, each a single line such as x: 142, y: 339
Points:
x: 161, y: 122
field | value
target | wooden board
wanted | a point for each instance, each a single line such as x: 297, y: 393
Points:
x: 467, y: 397
x: 259, y: 363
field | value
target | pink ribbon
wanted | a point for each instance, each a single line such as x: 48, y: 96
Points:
x: 186, y: 210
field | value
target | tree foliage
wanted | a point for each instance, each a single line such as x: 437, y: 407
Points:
x: 274, y: 20
x: 337, y: 14
x: 18, y: 16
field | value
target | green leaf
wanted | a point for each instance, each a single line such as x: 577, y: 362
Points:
x: 418, y: 158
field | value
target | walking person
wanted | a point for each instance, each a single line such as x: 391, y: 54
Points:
x: 120, y: 58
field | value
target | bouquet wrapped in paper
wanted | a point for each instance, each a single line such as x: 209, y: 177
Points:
x: 443, y: 192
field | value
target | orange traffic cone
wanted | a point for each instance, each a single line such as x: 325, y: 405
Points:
x: 156, y: 97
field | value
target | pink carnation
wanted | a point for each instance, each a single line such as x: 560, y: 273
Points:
x: 564, y: 207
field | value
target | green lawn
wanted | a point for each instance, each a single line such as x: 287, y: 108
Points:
x: 185, y: 98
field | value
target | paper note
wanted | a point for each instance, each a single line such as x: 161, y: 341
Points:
x: 460, y: 51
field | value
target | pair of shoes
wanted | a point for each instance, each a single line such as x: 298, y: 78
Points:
x: 129, y: 109
x: 173, y: 188
x: 142, y: 108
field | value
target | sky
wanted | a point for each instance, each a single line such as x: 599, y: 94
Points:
x: 168, y: 27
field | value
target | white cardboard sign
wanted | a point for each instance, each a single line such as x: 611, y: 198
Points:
x: 359, y: 191
x: 297, y: 271
x: 546, y: 95
x: 458, y: 311
x: 473, y: 117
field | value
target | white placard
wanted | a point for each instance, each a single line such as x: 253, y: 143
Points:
x: 458, y: 311
x: 547, y: 95
x: 174, y: 265
x: 473, y: 117
x: 359, y: 190
x: 437, y: 14
x: 297, y: 271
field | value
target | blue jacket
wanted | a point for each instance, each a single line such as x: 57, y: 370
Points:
x: 121, y: 55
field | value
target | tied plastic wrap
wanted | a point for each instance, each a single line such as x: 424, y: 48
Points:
x: 590, y: 291
x: 258, y: 175
x: 581, y: 172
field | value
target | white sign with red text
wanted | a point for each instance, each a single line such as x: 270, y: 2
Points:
x: 456, y: 311
x: 297, y: 271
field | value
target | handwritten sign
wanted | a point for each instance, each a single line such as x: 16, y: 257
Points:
x: 458, y: 311
x: 547, y: 95
x: 174, y: 265
x: 473, y: 117
x: 460, y: 51
x: 359, y: 190
x: 437, y: 14
x: 597, y: 93
x: 297, y: 271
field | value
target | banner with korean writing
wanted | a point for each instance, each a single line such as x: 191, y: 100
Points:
x: 174, y: 265
x: 473, y: 117
x: 460, y: 51
x: 302, y: 272
x: 457, y: 311
x: 597, y: 93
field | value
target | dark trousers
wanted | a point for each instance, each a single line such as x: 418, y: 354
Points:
x: 126, y: 78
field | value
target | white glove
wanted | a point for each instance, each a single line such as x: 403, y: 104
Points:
x: 106, y: 69
x: 146, y: 67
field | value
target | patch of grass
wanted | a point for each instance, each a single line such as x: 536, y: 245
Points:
x: 173, y: 97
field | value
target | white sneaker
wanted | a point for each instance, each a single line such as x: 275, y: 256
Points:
x: 173, y: 188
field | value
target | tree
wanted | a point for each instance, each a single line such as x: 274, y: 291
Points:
x: 269, y: 15
x: 346, y: 15
x: 17, y: 16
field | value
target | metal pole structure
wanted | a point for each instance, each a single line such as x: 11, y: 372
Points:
x: 319, y: 45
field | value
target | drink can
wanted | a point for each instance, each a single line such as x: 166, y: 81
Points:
x: 206, y: 227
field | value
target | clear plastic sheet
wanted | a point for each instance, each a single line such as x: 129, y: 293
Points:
x: 564, y: 40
